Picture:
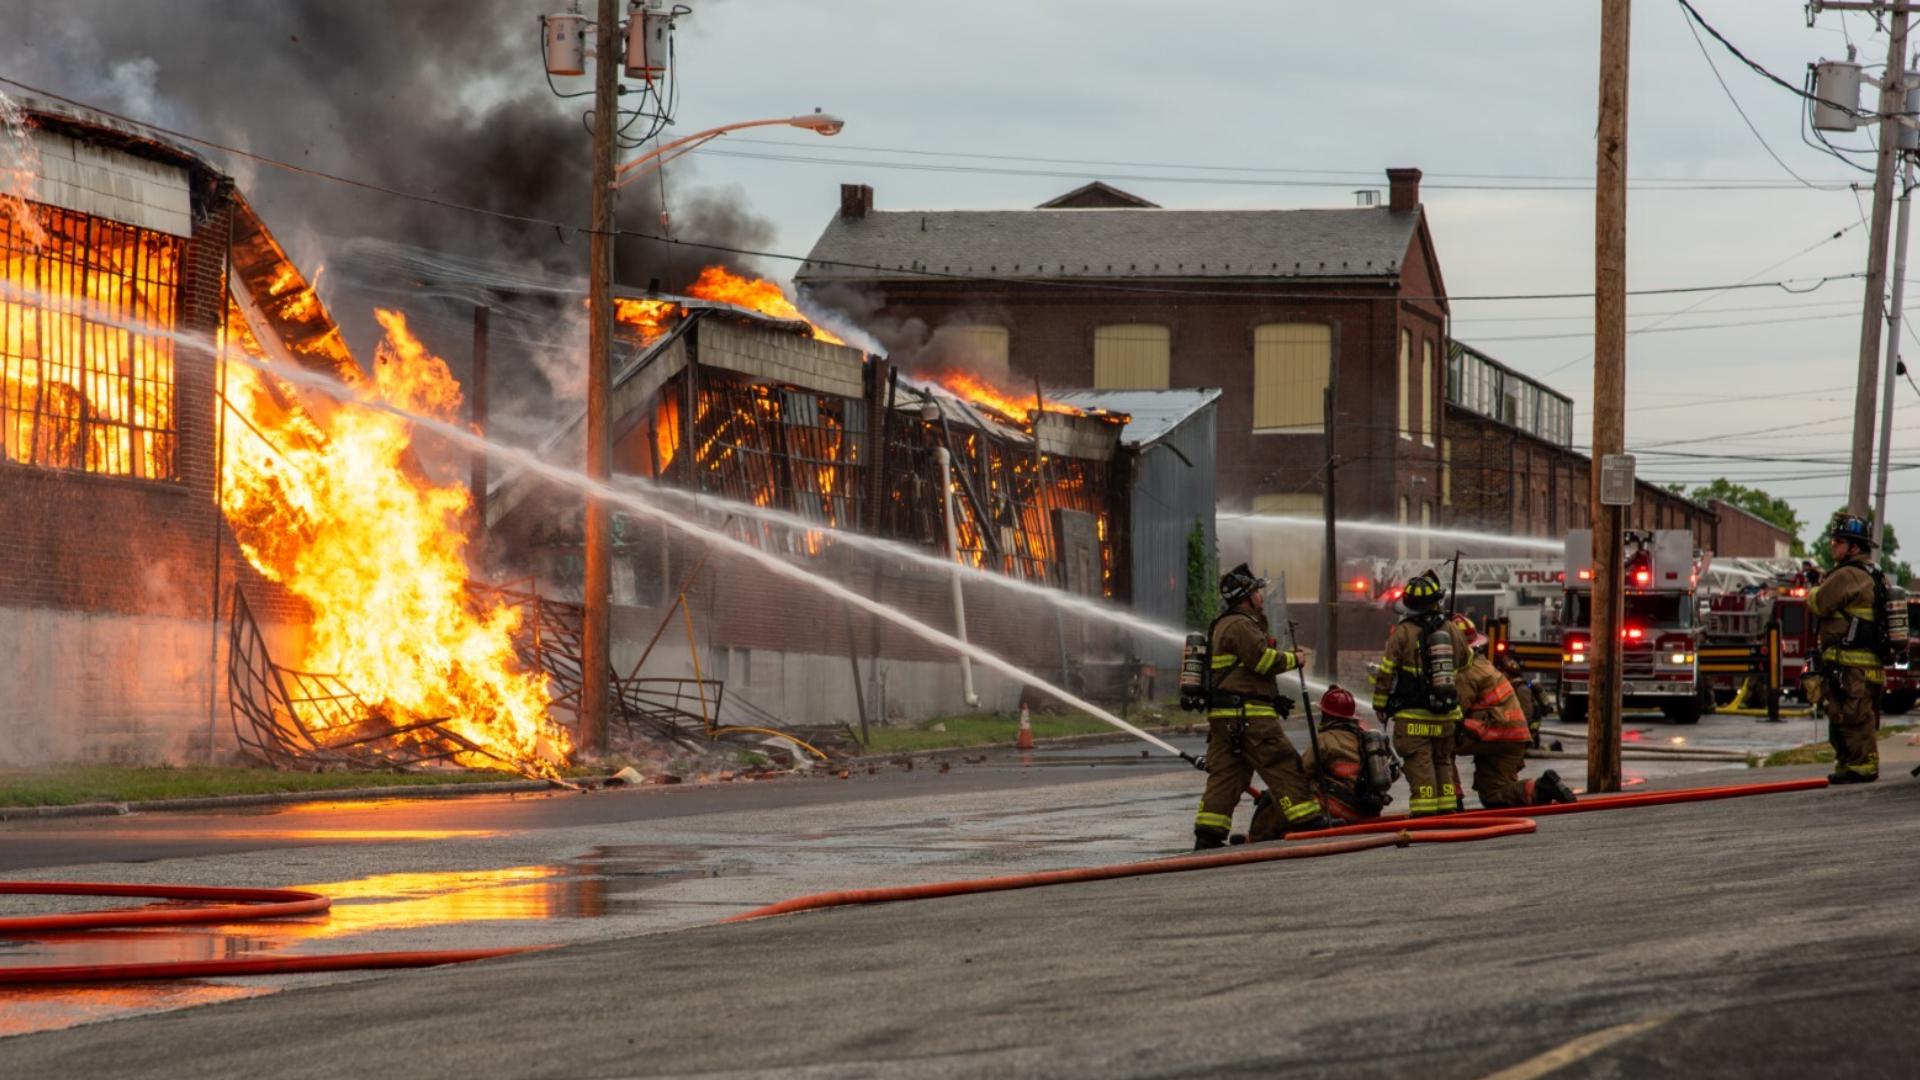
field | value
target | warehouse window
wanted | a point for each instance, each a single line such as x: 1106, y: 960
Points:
x: 1280, y: 551
x: 1131, y: 356
x: 1406, y: 359
x: 1426, y: 522
x: 1292, y: 363
x: 1428, y: 421
x: 1446, y: 472
x: 80, y: 386
x: 983, y: 348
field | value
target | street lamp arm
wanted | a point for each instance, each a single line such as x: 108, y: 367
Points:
x: 646, y: 163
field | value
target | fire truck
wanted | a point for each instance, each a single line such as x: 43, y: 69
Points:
x: 1525, y: 592
x: 1742, y: 617
x: 1660, y: 627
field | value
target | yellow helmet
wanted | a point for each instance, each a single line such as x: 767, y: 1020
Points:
x: 1423, y: 593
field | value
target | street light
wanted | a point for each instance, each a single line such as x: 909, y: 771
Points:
x: 816, y: 121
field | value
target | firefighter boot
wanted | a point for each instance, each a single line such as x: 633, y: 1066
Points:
x: 1847, y: 776
x: 1205, y: 839
x: 1550, y: 789
x: 1312, y: 824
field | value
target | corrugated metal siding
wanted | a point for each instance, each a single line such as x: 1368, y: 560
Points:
x: 1168, y: 494
x: 111, y: 184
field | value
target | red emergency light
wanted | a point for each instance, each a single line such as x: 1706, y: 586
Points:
x: 1642, y: 577
x: 1586, y: 575
x: 1632, y: 633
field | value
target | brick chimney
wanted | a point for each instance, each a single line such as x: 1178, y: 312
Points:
x: 1403, y: 189
x: 857, y: 199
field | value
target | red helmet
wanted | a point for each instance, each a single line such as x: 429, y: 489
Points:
x: 1336, y: 702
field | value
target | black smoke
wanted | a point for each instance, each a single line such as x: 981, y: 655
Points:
x: 444, y: 99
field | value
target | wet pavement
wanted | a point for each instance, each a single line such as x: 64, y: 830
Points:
x: 497, y: 871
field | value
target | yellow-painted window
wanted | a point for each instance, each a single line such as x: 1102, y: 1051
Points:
x: 1131, y: 356
x: 1406, y: 359
x: 1427, y: 420
x: 1289, y: 550
x: 1291, y: 365
x: 1446, y: 472
x: 1426, y: 522
x: 976, y: 346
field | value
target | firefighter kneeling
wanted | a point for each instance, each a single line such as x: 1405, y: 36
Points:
x: 1495, y: 731
x: 1244, y: 707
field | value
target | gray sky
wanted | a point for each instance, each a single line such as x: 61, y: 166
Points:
x: 1504, y: 89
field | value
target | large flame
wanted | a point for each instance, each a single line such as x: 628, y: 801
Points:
x: 329, y: 503
x: 651, y: 318
x: 978, y: 390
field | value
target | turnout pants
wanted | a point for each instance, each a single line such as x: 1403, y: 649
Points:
x: 1853, y: 722
x: 1240, y: 745
x: 1426, y: 754
x: 1496, y: 771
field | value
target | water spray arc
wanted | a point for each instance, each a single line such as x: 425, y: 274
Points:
x: 1293, y: 521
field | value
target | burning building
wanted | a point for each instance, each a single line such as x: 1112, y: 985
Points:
x: 760, y: 408
x: 215, y: 512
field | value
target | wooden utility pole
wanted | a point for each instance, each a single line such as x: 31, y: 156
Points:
x: 1892, y: 101
x: 1609, y: 394
x: 597, y: 592
x: 1329, y: 569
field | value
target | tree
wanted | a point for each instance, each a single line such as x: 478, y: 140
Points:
x: 1203, y: 579
x: 1758, y: 503
x: 1897, y: 572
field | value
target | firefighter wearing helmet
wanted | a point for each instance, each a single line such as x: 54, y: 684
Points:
x: 1414, y: 686
x: 1851, y: 604
x: 1244, y: 708
x: 1352, y: 769
x: 1494, y: 732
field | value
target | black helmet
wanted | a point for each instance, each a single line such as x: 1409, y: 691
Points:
x: 1851, y: 528
x: 1423, y: 593
x: 1239, y: 584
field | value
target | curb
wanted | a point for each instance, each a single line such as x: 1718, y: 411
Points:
x: 278, y: 798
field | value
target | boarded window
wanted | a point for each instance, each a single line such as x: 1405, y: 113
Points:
x: 1428, y: 421
x: 1131, y: 356
x: 1292, y: 363
x: 1406, y: 358
x: 1446, y: 472
x: 982, y: 348
x: 1289, y: 550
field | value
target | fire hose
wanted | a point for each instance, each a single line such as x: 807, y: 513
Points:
x: 233, y: 905
x: 1392, y: 831
x: 251, y: 905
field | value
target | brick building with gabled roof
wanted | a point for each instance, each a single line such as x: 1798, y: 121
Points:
x: 1272, y: 306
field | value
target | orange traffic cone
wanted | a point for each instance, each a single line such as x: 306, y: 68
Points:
x: 1025, y: 741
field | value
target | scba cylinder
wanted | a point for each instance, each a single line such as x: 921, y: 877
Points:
x: 1439, y: 645
x: 1193, y: 673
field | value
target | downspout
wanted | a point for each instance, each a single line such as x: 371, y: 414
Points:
x: 953, y: 548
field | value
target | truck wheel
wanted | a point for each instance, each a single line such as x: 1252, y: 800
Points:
x: 1682, y: 712
x: 1723, y: 698
x: 1573, y: 711
x: 1899, y: 703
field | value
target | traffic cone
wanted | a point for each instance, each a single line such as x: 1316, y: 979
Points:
x: 1025, y: 741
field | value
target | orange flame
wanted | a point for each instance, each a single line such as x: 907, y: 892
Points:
x: 977, y: 390
x: 647, y: 317
x: 329, y: 504
x: 756, y: 294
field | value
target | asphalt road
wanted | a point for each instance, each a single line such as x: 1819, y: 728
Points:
x: 1772, y: 936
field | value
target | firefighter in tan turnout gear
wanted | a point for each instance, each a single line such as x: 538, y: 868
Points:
x: 1852, y: 606
x: 1495, y: 731
x: 1244, y: 707
x: 1414, y: 687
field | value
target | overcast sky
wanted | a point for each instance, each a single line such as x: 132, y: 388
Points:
x: 1494, y: 89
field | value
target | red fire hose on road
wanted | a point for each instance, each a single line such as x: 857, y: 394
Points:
x: 1395, y: 831
x: 251, y: 905
x: 235, y: 905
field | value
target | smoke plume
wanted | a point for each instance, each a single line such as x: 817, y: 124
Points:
x: 448, y: 100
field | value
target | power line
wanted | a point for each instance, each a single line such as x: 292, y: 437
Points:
x: 1759, y: 69
x: 1735, y: 102
x: 1786, y: 284
x: 1676, y: 329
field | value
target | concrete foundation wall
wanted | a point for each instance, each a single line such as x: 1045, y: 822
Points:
x: 78, y: 687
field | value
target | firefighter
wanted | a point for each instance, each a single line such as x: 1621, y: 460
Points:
x: 1243, y: 718
x: 1852, y: 674
x: 1414, y: 687
x: 1524, y: 693
x: 1350, y: 785
x: 1495, y: 732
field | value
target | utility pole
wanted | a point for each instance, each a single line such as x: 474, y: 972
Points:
x: 1609, y: 394
x: 1329, y: 571
x: 597, y: 592
x: 1893, y: 357
x: 1892, y: 99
